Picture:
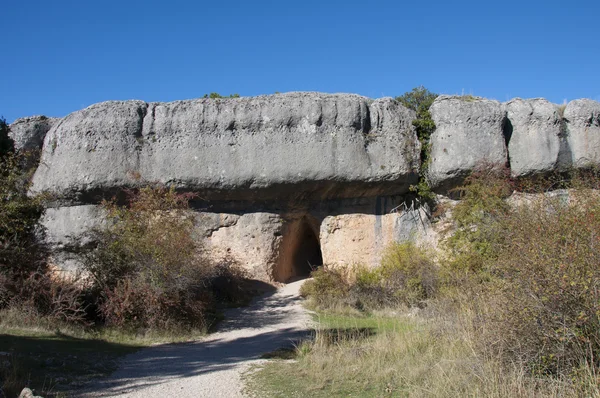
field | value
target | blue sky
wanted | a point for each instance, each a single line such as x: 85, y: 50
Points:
x: 61, y: 56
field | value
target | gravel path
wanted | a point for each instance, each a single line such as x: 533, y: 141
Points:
x: 212, y: 367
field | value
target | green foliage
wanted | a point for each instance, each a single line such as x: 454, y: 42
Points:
x: 328, y: 287
x: 7, y: 145
x: 420, y: 100
x: 406, y: 276
x: 482, y: 204
x: 408, y: 272
x: 547, y: 261
x: 219, y: 96
x: 22, y: 257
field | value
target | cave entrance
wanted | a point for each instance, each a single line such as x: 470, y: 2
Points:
x: 300, y: 251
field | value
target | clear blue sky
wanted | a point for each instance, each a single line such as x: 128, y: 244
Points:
x: 60, y: 56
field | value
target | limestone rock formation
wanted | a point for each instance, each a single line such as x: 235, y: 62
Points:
x: 296, y: 147
x: 290, y: 181
x: 535, y: 131
x: 583, y: 127
x: 469, y: 133
x: 29, y: 132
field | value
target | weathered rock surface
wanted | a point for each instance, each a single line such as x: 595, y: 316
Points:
x: 469, y: 133
x: 535, y: 131
x: 583, y: 126
x: 361, y: 238
x: 29, y: 132
x: 296, y: 146
x: 287, y: 182
x: 68, y: 227
x: 250, y: 239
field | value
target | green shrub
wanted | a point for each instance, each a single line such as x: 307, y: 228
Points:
x: 219, y: 96
x: 409, y: 273
x: 407, y: 276
x: 27, y: 284
x: 482, y: 204
x: 22, y: 257
x: 420, y: 100
x: 328, y: 288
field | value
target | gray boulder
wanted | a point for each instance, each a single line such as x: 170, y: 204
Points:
x: 29, y: 132
x: 583, y: 125
x: 290, y: 147
x: 535, y: 128
x: 469, y: 134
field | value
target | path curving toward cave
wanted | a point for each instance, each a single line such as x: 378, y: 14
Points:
x: 212, y: 367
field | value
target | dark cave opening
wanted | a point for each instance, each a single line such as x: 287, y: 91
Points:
x: 300, y: 251
x: 307, y: 255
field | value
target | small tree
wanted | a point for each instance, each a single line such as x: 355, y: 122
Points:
x: 7, y: 145
x: 419, y: 100
x: 22, y: 255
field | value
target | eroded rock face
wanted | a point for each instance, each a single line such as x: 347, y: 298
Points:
x: 288, y: 182
x: 348, y: 239
x: 469, y: 133
x: 296, y: 147
x: 67, y: 234
x: 583, y: 126
x: 29, y: 132
x: 68, y: 227
x: 535, y: 132
x: 252, y: 240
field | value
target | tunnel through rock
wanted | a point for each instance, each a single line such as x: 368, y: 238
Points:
x: 300, y: 250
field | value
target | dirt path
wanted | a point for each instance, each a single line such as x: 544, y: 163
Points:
x: 212, y: 367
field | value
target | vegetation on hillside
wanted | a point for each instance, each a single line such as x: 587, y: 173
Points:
x: 512, y: 307
x: 219, y: 96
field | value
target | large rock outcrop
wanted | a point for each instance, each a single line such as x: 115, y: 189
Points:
x: 583, y: 126
x: 469, y: 133
x: 290, y: 147
x: 29, y: 132
x: 291, y: 181
x: 535, y: 131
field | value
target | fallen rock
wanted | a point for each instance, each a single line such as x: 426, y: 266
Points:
x: 27, y: 393
x: 469, y: 133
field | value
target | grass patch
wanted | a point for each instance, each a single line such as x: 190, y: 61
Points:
x: 56, y: 363
x: 400, y: 357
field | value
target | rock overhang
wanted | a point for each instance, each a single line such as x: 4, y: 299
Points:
x: 289, y: 147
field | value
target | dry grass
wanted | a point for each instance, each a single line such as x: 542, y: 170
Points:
x: 414, y: 356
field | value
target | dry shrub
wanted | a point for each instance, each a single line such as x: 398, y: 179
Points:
x: 531, y: 272
x: 149, y: 270
x: 26, y: 282
x: 547, y: 298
